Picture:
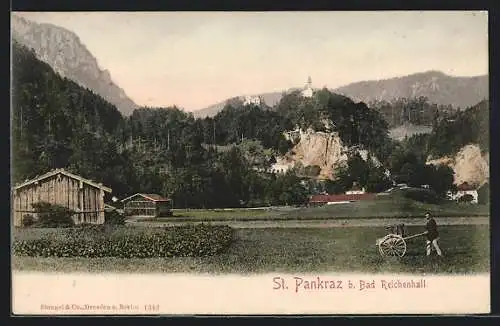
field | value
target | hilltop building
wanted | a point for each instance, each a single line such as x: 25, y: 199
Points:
x: 255, y: 100
x: 308, y: 91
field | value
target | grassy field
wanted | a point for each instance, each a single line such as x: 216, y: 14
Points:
x: 391, y: 207
x: 293, y: 250
x: 219, y: 214
x: 384, y: 207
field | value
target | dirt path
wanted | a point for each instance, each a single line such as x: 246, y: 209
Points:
x: 329, y: 223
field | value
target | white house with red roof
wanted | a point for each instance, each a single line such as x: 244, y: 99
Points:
x: 465, y: 189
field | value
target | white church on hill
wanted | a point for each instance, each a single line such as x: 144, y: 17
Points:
x: 308, y: 91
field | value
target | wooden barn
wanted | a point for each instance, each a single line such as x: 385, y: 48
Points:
x: 61, y: 187
x: 147, y: 205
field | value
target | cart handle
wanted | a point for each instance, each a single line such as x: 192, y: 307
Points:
x: 416, y: 235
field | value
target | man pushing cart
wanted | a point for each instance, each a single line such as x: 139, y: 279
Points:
x: 432, y: 235
x: 394, y: 243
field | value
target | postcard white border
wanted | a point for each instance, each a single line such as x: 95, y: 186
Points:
x: 197, y: 294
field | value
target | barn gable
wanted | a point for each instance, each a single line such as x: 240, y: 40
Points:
x: 60, y: 172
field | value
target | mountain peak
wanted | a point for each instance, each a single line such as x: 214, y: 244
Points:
x: 63, y: 50
x: 438, y: 87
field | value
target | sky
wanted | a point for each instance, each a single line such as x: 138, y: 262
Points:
x: 195, y: 59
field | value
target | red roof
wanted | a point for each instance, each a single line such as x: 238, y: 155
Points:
x: 339, y: 198
x: 465, y: 187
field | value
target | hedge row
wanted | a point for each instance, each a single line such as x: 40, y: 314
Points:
x: 188, y: 240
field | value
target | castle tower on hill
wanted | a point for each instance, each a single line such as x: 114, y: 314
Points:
x: 308, y: 91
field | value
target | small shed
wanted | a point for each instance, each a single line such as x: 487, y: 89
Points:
x: 85, y: 197
x: 147, y: 205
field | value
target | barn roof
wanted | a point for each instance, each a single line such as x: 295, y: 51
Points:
x: 66, y: 173
x: 152, y: 197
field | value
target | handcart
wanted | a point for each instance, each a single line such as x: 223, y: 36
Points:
x: 394, y: 243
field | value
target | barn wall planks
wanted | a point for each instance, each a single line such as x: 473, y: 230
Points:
x: 100, y: 200
x: 86, y: 199
x: 74, y: 195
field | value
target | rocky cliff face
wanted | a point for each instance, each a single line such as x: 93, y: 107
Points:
x: 321, y: 149
x: 65, y: 53
x: 317, y: 148
x: 327, y: 151
x: 469, y: 165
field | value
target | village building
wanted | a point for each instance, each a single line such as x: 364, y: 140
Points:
x: 60, y: 187
x: 147, y: 205
x: 464, y: 189
x: 355, y: 190
x: 281, y: 166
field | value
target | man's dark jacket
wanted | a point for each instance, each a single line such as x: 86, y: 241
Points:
x: 431, y: 228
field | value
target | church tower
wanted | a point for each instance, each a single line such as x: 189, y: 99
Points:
x: 308, y: 91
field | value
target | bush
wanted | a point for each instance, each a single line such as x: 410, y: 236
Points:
x: 51, y: 215
x: 28, y: 220
x: 114, y: 218
x: 104, y: 241
x: 467, y: 198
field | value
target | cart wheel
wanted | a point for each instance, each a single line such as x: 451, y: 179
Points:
x: 392, y: 245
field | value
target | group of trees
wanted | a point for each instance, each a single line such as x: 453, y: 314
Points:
x: 470, y: 126
x: 366, y: 173
x: 236, y: 123
x: 410, y: 168
x: 404, y: 167
x: 448, y: 136
x: 417, y: 111
x: 211, y: 162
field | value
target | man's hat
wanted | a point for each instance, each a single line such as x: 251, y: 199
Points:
x: 427, y: 214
